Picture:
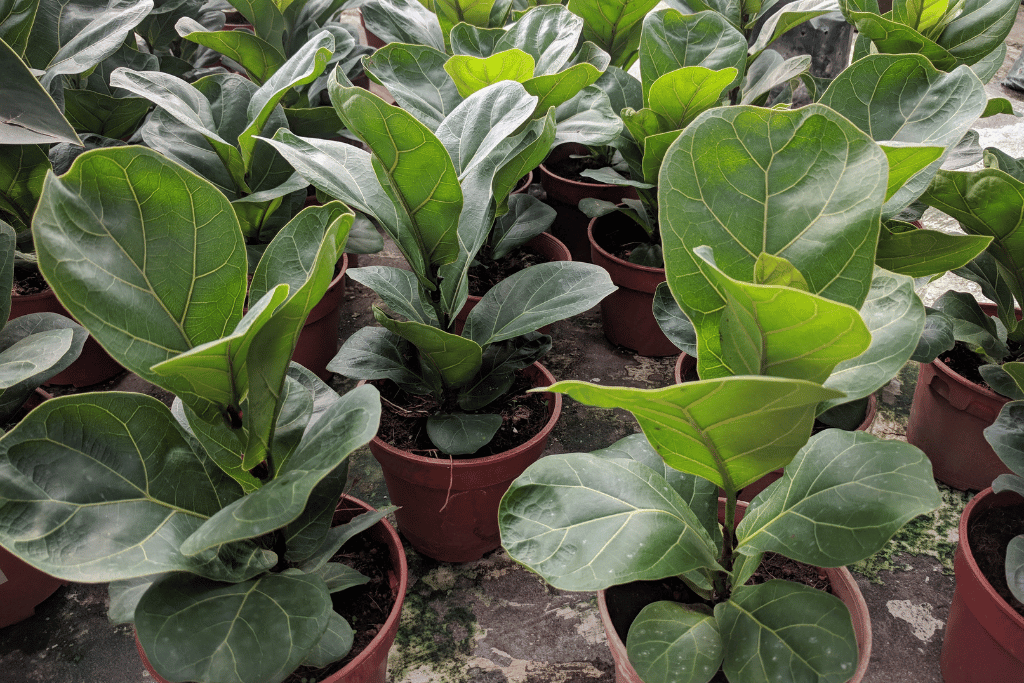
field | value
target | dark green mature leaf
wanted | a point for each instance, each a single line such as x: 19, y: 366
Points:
x: 1015, y: 566
x: 454, y: 358
x: 16, y: 19
x: 415, y: 76
x: 903, y: 98
x: 398, y: 288
x: 673, y: 322
x: 462, y: 433
x: 259, y: 58
x: 589, y: 118
x: 410, y: 162
x: 586, y: 523
x: 337, y: 536
x: 972, y: 325
x: 22, y: 170
x: 112, y: 117
x: 139, y: 491
x: 922, y: 253
x: 474, y: 41
x: 841, y: 499
x: 892, y: 37
x: 258, y: 631
x: 895, y: 317
x: 936, y: 337
x: 980, y: 28
x: 670, y: 642
x: 34, y: 348
x: 339, y: 576
x: 403, y: 21
x: 751, y: 426
x: 498, y: 370
x: 113, y: 195
x: 534, y: 297
x: 987, y: 68
x: 28, y: 115
x: 375, y: 353
x: 788, y: 631
x: 1007, y: 439
x: 671, y: 40
x: 771, y: 187
x: 1001, y: 381
x: 125, y: 596
x: 527, y: 217
x: 333, y: 645
x: 265, y: 18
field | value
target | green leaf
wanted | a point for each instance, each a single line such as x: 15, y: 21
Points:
x: 28, y: 115
x: 127, y: 201
x: 972, y: 325
x: 751, y: 426
x: 8, y: 241
x: 111, y: 117
x: 413, y: 164
x: 22, y: 170
x: 375, y: 353
x: 586, y: 523
x: 454, y: 358
x: 398, y: 289
x: 1001, y: 382
x: 1006, y: 438
x: 265, y: 18
x: 139, y: 491
x: 462, y: 433
x: 1015, y: 566
x: 783, y: 630
x: 534, y: 297
x: 668, y: 641
x: 498, y: 372
x: 471, y: 74
x: 673, y: 322
x: 841, y: 499
x: 681, y: 95
x: 125, y: 596
x: 16, y: 19
x: 527, y: 217
x: 923, y: 253
x: 980, y: 28
x: 770, y: 187
x: 333, y: 645
x: 891, y: 37
x: 613, y: 25
x: 259, y: 58
x: 671, y: 40
x: 588, y: 118
x: 403, y: 21
x: 1016, y: 371
x: 34, y: 348
x: 558, y: 88
x: 474, y: 41
x: 936, y: 337
x: 789, y: 16
x: 415, y: 76
x: 213, y: 626
x: 770, y: 70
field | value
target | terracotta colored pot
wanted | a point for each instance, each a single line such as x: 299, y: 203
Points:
x: 370, y: 665
x: 318, y: 342
x: 984, y: 640
x: 22, y: 587
x: 564, y: 196
x: 449, y: 508
x: 947, y: 417
x: 371, y: 39
x: 544, y: 244
x: 94, y: 365
x: 627, y: 314
x: 524, y: 186
x: 844, y: 587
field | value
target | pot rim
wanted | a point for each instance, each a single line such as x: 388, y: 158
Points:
x: 615, y: 259
x: 556, y: 155
x: 450, y: 464
x: 991, y: 310
x: 964, y: 551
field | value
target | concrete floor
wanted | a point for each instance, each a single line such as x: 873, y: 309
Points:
x: 491, y: 621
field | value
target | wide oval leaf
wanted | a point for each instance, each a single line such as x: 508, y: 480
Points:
x: 415, y: 76
x: 613, y: 25
x: 471, y: 74
x: 669, y: 643
x: 586, y: 523
x: 28, y: 115
x: 121, y: 238
x: 841, y: 499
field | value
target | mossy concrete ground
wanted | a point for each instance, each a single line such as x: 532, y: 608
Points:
x: 491, y: 621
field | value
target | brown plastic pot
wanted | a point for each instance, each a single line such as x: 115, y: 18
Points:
x: 370, y: 665
x: 448, y: 509
x: 545, y: 244
x: 844, y: 587
x: 984, y: 640
x: 318, y: 341
x: 688, y: 364
x: 94, y: 365
x: 627, y: 314
x: 564, y: 196
x: 22, y: 587
x: 947, y: 418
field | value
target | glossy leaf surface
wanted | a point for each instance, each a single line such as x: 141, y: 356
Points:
x: 668, y: 642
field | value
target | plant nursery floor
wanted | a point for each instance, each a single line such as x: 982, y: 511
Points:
x: 492, y: 621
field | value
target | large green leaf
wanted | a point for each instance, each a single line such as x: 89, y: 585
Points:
x: 671, y: 40
x: 558, y: 88
x: 22, y: 170
x: 111, y: 117
x: 789, y: 16
x: 456, y: 359
x: 903, y: 98
x: 534, y: 297
x: 841, y: 499
x: 415, y: 76
x: 588, y: 118
x: 892, y: 37
x: 375, y: 353
x: 399, y: 290
x: 403, y: 21
x: 786, y: 631
x: 680, y: 95
x: 669, y: 642
x: 549, y: 33
x: 266, y: 19
x: 981, y: 27
x: 28, y: 115
x: 258, y: 631
x: 471, y: 74
x: 349, y: 423
x: 923, y: 253
x: 16, y: 19
x: 138, y: 492
x: 613, y: 25
x: 730, y: 431
x: 586, y: 523
x: 117, y: 236
x: 259, y: 58
x: 803, y: 185
x: 410, y: 162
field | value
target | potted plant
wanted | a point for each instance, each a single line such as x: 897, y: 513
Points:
x: 217, y: 512
x: 437, y: 195
x: 984, y: 637
x: 950, y: 411
x: 774, y: 350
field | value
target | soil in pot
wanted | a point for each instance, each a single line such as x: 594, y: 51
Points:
x: 483, y: 276
x: 28, y: 282
x: 404, y: 418
x: 989, y: 532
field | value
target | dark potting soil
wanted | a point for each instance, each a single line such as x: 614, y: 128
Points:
x: 619, y: 237
x: 364, y: 607
x: 988, y: 533
x: 626, y: 601
x: 403, y: 420
x: 965, y: 363
x: 521, y: 183
x: 570, y: 168
x: 28, y: 282
x: 484, y: 276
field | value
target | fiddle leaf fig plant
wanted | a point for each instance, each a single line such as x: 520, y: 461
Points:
x: 438, y: 195
x: 219, y: 517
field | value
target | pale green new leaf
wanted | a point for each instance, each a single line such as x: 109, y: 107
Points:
x: 613, y: 25
x: 259, y: 58
x: 471, y: 74
x: 841, y: 499
x: 680, y: 95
